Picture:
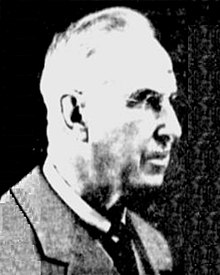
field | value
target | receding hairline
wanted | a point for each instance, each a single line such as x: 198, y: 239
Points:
x: 106, y: 21
x: 113, y: 18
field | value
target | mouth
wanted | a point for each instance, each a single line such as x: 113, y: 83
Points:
x: 155, y: 162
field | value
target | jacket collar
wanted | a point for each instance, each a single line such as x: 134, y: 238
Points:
x: 59, y: 231
x: 62, y: 236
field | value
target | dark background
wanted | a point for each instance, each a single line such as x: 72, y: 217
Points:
x: 186, y: 209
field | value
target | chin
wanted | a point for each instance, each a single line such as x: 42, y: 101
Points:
x: 147, y: 180
x: 152, y: 180
x: 142, y: 188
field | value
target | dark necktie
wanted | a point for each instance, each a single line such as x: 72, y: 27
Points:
x: 118, y: 244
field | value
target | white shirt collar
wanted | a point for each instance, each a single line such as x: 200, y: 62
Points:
x: 73, y: 200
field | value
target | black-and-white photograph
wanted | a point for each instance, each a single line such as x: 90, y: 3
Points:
x: 110, y: 137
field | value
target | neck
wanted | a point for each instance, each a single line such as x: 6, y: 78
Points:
x: 108, y: 204
x: 104, y: 198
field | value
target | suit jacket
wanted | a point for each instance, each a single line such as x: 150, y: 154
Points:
x: 40, y: 234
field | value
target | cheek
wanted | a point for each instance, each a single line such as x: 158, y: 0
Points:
x: 125, y: 142
x: 135, y: 134
x: 113, y: 150
x: 123, y: 134
x: 146, y: 127
x: 139, y: 126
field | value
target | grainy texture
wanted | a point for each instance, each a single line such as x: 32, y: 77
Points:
x: 202, y: 194
x: 186, y: 210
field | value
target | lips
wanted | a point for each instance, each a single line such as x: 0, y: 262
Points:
x: 156, y: 155
x: 155, y: 158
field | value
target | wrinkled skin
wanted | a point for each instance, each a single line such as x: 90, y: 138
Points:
x: 131, y: 123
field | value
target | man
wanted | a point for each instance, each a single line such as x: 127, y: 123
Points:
x: 107, y: 84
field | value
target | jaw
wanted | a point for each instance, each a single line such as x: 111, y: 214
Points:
x: 143, y: 180
x: 106, y: 180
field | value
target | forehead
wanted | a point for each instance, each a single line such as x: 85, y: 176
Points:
x: 122, y: 69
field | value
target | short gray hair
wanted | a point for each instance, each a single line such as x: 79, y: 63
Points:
x: 80, y: 41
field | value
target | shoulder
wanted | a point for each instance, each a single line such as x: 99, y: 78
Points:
x: 17, y: 198
x: 11, y: 213
x: 17, y: 251
x: 12, y: 218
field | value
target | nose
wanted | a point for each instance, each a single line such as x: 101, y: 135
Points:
x: 169, y: 127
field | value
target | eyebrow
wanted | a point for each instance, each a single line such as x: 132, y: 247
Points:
x: 141, y: 94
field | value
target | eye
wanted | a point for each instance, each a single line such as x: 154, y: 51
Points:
x: 154, y: 101
x: 151, y: 100
x: 131, y: 103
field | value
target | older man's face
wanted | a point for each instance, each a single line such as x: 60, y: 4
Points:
x: 130, y: 118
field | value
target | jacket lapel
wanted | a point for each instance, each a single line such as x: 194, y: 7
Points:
x: 155, y: 245
x: 58, y: 229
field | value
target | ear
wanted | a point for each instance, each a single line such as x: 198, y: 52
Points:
x: 70, y: 110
